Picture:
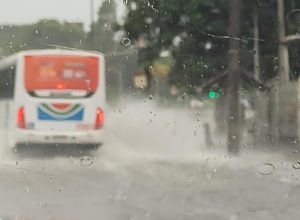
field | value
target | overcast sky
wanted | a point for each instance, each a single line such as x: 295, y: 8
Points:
x: 28, y: 11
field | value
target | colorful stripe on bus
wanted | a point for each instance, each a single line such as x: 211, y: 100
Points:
x: 60, y: 112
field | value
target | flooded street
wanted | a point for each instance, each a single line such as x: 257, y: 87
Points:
x: 153, y: 165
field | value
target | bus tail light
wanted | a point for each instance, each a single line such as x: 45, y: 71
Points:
x: 60, y: 86
x: 99, y: 118
x: 21, y: 118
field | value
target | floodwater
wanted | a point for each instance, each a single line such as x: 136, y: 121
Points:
x: 154, y: 164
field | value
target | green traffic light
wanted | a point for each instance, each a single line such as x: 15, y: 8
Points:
x: 213, y: 94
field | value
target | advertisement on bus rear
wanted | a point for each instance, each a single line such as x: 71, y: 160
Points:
x: 61, y: 72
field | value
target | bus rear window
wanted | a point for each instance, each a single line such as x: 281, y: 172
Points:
x: 61, y: 75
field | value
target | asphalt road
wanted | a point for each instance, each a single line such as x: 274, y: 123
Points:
x: 153, y: 165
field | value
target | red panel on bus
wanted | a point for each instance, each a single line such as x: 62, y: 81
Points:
x: 43, y: 72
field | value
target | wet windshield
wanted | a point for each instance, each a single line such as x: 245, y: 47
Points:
x: 159, y: 109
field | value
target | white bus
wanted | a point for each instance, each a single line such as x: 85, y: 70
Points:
x: 52, y: 96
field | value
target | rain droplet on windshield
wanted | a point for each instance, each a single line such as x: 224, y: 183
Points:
x: 296, y: 165
x: 125, y: 42
x: 86, y: 161
x: 51, y: 178
x: 264, y: 3
x: 275, y: 60
x: 265, y: 168
x: 293, y: 16
x: 208, y: 176
x: 88, y: 82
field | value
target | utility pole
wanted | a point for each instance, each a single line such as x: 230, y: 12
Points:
x: 283, y: 54
x: 234, y: 75
x: 283, y: 68
x: 92, y: 21
x: 298, y: 111
x: 256, y: 45
x: 260, y: 99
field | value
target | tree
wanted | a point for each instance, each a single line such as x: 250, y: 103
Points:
x: 47, y: 32
x: 120, y: 59
x: 102, y: 33
x: 184, y: 28
x: 40, y: 35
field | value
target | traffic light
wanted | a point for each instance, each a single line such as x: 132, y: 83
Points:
x: 214, y: 91
x: 214, y: 94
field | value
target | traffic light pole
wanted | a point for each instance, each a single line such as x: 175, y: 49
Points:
x: 283, y: 57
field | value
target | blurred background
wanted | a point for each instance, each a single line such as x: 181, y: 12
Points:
x: 177, y: 53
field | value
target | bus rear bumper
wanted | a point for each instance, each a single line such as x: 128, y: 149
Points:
x: 61, y: 137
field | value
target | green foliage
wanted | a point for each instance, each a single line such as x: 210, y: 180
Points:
x: 40, y: 35
x: 102, y: 33
x: 198, y: 27
x: 52, y: 32
x: 198, y: 55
